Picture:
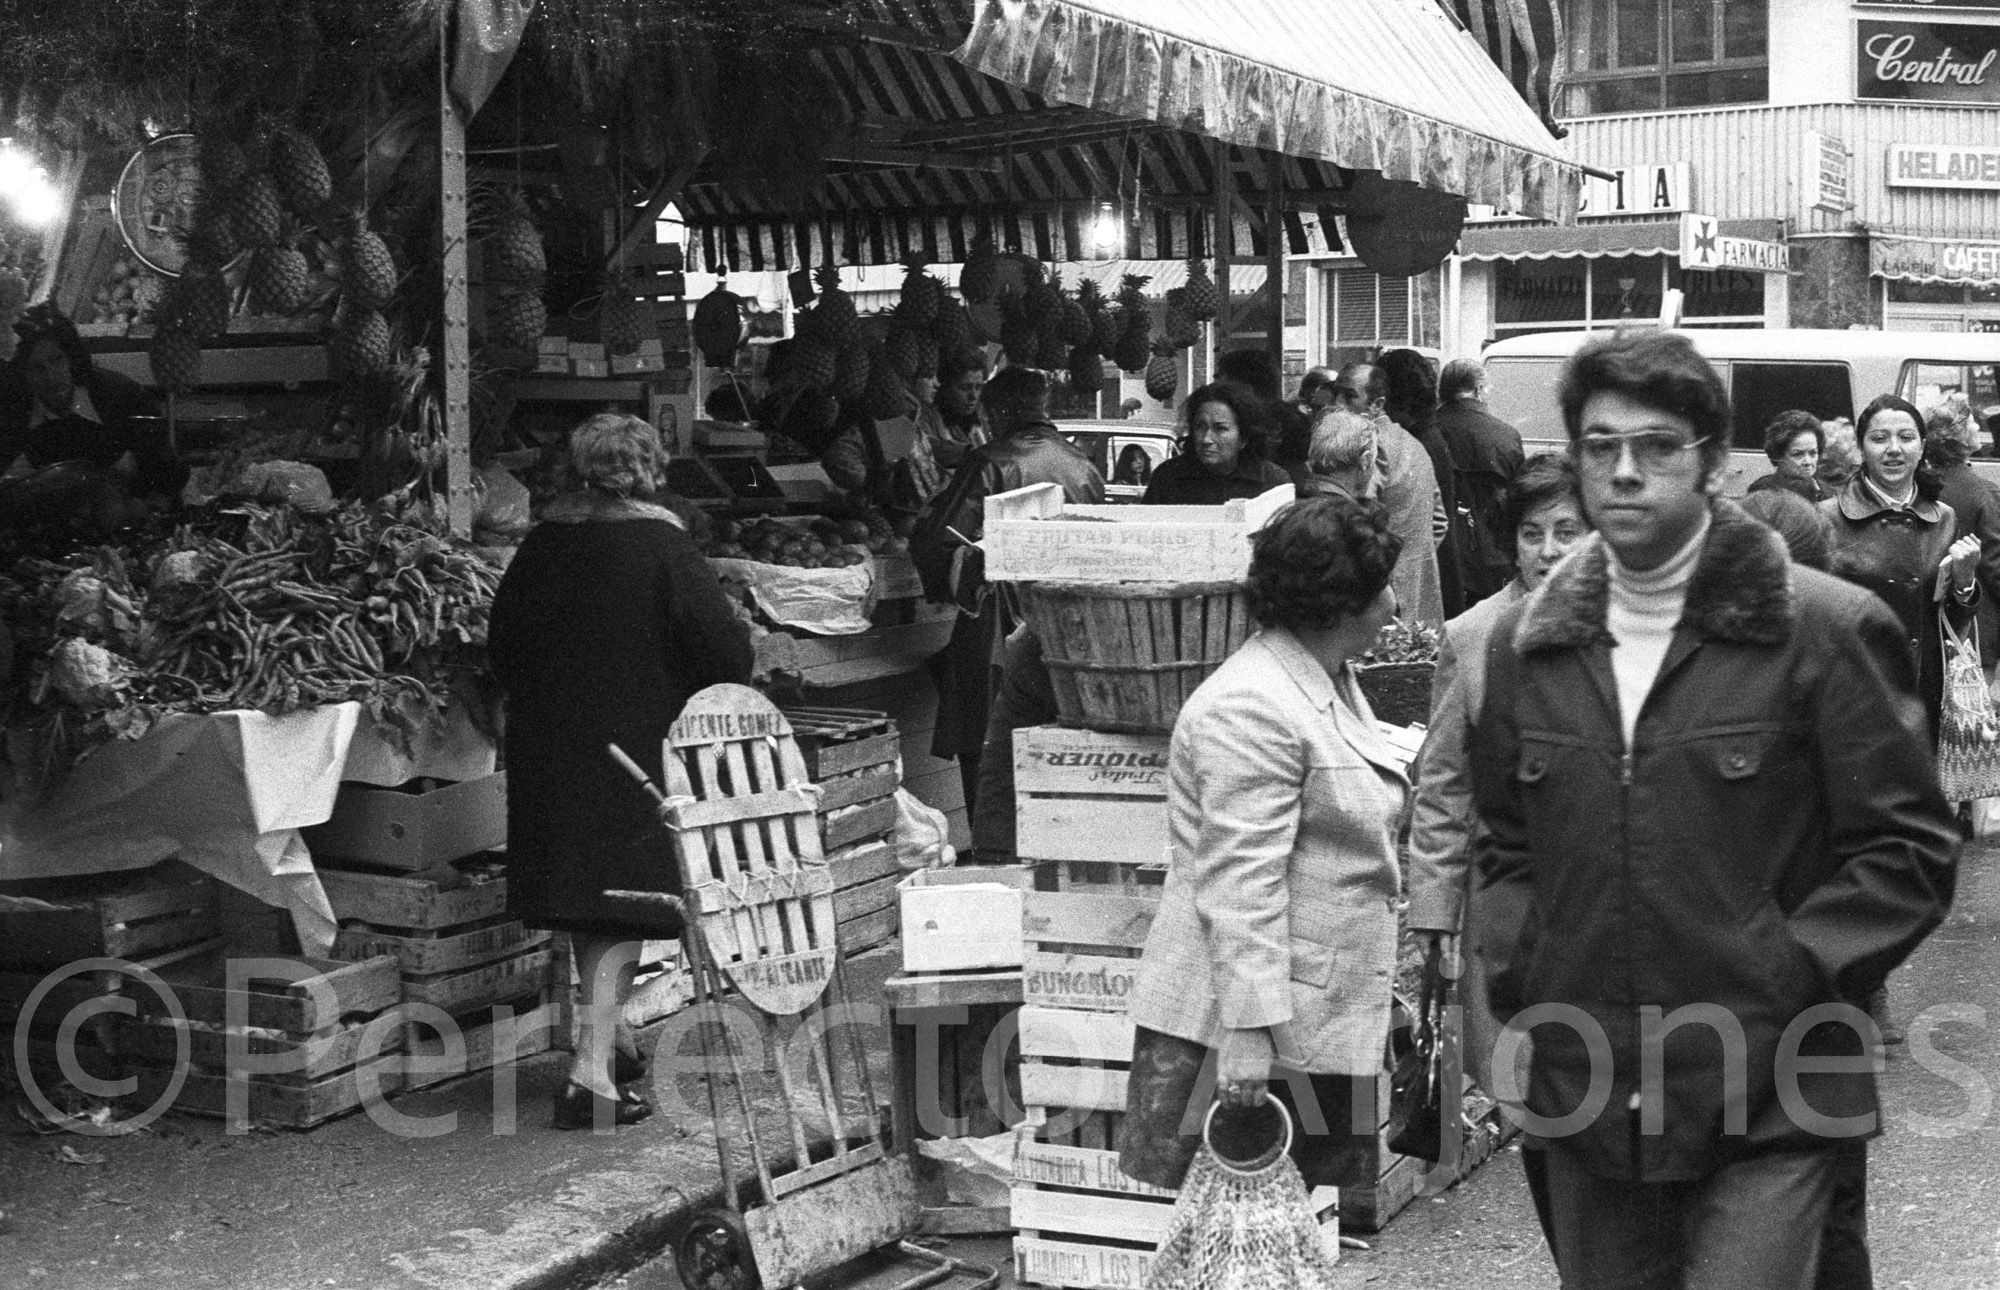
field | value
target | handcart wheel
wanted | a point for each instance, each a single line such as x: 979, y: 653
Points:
x: 714, y: 1253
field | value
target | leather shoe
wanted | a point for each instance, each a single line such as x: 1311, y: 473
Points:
x: 578, y: 1108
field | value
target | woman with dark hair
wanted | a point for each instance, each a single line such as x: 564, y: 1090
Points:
x: 1794, y: 442
x: 56, y: 405
x: 1893, y: 536
x: 1134, y: 466
x: 607, y: 622
x: 1224, y: 452
x: 1950, y: 437
x: 1270, y: 958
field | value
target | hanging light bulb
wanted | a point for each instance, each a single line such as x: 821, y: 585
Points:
x: 1104, y: 230
x: 37, y: 202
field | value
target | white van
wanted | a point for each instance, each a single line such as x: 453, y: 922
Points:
x: 1827, y: 373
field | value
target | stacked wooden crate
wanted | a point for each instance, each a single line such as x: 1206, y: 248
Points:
x: 282, y: 1042
x: 458, y: 952
x: 851, y: 753
x: 151, y: 917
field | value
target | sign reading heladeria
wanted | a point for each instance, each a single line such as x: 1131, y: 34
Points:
x: 1930, y: 62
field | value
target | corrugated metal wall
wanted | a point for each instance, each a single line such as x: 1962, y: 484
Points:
x: 1749, y: 163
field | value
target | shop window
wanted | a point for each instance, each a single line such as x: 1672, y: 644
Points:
x: 1625, y: 289
x: 1531, y: 294
x: 1758, y: 392
x: 1645, y: 55
x: 1902, y: 292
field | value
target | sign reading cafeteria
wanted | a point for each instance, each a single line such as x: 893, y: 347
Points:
x: 1705, y: 246
x: 1938, y: 165
x: 1929, y: 62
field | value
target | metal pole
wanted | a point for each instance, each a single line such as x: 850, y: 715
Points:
x: 1225, y: 221
x: 455, y: 345
x: 1274, y: 264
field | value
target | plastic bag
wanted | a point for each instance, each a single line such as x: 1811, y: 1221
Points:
x: 921, y: 834
x: 503, y: 506
x: 976, y: 1171
x: 304, y: 486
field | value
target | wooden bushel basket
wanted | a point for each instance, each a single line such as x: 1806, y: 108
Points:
x: 1124, y: 656
x: 1400, y: 693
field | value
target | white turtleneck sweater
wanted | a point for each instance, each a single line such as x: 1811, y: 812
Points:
x: 1644, y: 610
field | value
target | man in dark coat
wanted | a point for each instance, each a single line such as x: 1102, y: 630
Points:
x: 1714, y: 827
x: 1485, y: 456
x: 1026, y: 449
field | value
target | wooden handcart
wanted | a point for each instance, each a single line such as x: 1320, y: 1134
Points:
x: 758, y: 921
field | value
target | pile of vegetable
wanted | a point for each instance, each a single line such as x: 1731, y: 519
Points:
x: 259, y: 607
x: 813, y: 542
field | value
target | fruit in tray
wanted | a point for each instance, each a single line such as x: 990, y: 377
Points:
x: 815, y: 542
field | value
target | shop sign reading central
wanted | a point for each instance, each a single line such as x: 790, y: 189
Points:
x: 1938, y: 165
x: 1705, y: 246
x: 1931, y: 62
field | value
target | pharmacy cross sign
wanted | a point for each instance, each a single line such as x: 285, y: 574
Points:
x: 1704, y: 246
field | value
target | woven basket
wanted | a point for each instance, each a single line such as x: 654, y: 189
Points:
x: 1400, y: 693
x: 1124, y: 656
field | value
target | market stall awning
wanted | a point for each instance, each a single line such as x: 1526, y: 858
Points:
x: 1386, y: 85
x: 1934, y: 259
x: 1595, y: 241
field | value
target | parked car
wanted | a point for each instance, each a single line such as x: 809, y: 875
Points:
x: 1828, y: 373
x: 1125, y: 452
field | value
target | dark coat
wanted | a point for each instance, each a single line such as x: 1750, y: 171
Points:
x: 1896, y: 554
x: 602, y: 629
x: 963, y: 670
x: 1183, y: 481
x: 1811, y: 489
x: 1450, y: 552
x: 1774, y: 840
x: 123, y: 409
x: 1485, y: 456
x: 1975, y: 503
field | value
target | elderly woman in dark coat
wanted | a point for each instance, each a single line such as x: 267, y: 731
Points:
x: 607, y: 622
x: 1224, y: 453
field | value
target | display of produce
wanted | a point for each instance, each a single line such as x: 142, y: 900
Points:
x: 367, y: 271
x: 248, y: 606
x: 1135, y: 324
x: 806, y: 542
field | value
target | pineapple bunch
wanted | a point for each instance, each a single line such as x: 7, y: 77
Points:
x: 1135, y: 324
x: 979, y: 277
x: 621, y: 319
x: 826, y: 331
x: 515, y: 266
x: 1085, y: 320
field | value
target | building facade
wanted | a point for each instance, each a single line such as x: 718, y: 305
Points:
x: 1802, y: 163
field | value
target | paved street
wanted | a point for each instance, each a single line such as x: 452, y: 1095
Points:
x: 1934, y: 1201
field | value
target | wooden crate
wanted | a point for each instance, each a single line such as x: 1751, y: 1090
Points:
x: 518, y: 975
x: 447, y: 949
x: 127, y: 916
x: 851, y: 753
x: 415, y: 904
x: 1090, y: 797
x: 429, y: 1059
x: 336, y: 1026
x: 1028, y: 536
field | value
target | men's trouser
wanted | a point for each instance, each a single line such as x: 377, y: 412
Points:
x: 1751, y: 1225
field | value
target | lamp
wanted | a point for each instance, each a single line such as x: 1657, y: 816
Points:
x: 1105, y: 232
x: 25, y: 186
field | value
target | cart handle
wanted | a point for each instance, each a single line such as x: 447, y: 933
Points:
x: 633, y: 769
x: 664, y: 899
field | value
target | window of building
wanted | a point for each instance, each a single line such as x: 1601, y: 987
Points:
x: 1579, y: 294
x: 1646, y: 55
x: 1367, y: 309
x: 1758, y: 392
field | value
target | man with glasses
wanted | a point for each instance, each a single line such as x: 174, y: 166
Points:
x: 1713, y: 827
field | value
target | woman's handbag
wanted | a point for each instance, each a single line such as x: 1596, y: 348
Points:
x: 1243, y: 1226
x: 1416, y: 1085
x: 1968, y: 730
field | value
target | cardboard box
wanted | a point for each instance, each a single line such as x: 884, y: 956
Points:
x: 391, y: 829
x: 586, y: 351
x: 635, y: 364
x: 553, y: 345
x: 1028, y: 537
x: 957, y: 919
x: 554, y: 364
x: 588, y: 367
x: 651, y: 347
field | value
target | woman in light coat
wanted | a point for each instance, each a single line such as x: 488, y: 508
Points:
x: 1270, y: 959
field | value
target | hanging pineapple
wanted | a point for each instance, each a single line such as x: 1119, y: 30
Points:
x: 280, y: 280
x: 513, y: 250
x: 1018, y: 335
x: 198, y: 303
x: 1182, y: 330
x: 1103, y: 323
x: 1076, y: 325
x: 175, y: 360
x: 1203, y: 300
x: 1050, y: 353
x: 258, y: 217
x: 1042, y: 304
x: 367, y: 270
x: 516, y: 320
x: 300, y: 171
x: 953, y: 328
x: 922, y: 295
x: 832, y: 321
x: 885, y: 396
x: 900, y: 348
x: 1135, y: 324
x: 718, y: 325
x: 927, y: 356
x: 1163, y: 372
x: 850, y: 372
x: 621, y: 319
x: 813, y: 364
x: 979, y: 279
x: 360, y: 344
x: 1086, y: 371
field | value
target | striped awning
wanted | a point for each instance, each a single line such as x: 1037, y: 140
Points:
x: 956, y: 153
x: 1595, y: 241
x: 1524, y: 38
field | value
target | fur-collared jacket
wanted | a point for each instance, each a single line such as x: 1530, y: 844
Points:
x: 1773, y: 840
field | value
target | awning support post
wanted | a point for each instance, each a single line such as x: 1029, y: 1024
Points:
x: 454, y: 342
x: 1274, y: 263
x: 1225, y: 218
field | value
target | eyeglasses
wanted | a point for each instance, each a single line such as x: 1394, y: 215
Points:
x: 1651, y: 449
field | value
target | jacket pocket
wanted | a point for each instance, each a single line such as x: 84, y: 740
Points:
x: 1735, y: 757
x: 1531, y: 765
x: 1312, y: 964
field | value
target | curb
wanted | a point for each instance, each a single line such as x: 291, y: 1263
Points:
x: 611, y: 1253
